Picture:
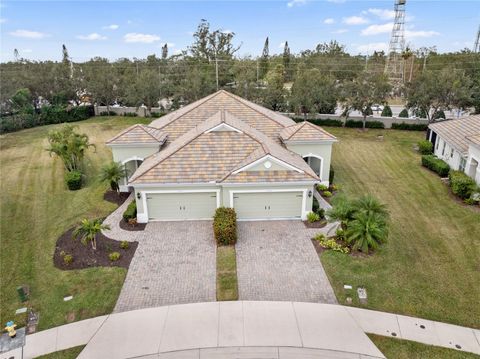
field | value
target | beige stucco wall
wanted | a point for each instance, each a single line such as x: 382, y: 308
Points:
x: 446, y: 154
x: 121, y: 153
x: 322, y: 150
x: 473, y: 154
x: 260, y: 167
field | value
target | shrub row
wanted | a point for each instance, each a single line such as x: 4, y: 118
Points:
x: 320, y: 122
x: 130, y: 212
x: 225, y: 226
x: 462, y: 185
x: 45, y: 116
x: 425, y: 147
x: 107, y: 113
x: 436, y: 164
x: 409, y: 126
x: 73, y: 180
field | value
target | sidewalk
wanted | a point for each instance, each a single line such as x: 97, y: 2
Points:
x: 252, y: 329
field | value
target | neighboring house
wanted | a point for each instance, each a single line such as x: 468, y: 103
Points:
x: 223, y: 151
x: 457, y: 142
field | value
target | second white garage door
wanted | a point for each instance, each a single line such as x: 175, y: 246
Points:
x: 178, y: 206
x: 268, y: 205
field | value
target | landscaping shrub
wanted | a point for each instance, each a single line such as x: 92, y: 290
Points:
x: 315, y: 205
x: 322, y: 187
x: 436, y: 165
x: 469, y: 201
x: 438, y: 115
x: 327, y: 194
x: 403, y: 113
x: 108, y: 113
x: 225, y: 226
x: 387, y: 111
x: 331, y: 175
x: 124, y: 244
x: 462, y: 185
x: 374, y: 124
x: 130, y: 114
x: 67, y: 259
x: 354, y: 124
x: 410, y: 126
x: 321, y: 213
x: 312, y: 217
x: 321, y: 122
x: 425, y: 147
x: 420, y: 112
x: 114, y: 256
x: 156, y: 114
x: 130, y: 212
x: 330, y: 244
x: 73, y: 180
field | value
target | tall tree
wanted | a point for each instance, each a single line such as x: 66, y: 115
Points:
x: 286, y: 61
x: 364, y: 91
x: 101, y: 81
x: 443, y: 90
x: 164, y: 51
x: 274, y: 94
x: 264, y: 60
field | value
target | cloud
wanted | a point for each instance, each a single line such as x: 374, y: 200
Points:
x: 377, y: 29
x: 412, y: 34
x: 3, y: 20
x: 28, y: 34
x: 111, y: 27
x: 133, y: 37
x: 374, y: 46
x: 340, y: 31
x: 354, y: 20
x: 383, y: 14
x: 91, y: 37
x: 292, y: 3
x: 329, y: 21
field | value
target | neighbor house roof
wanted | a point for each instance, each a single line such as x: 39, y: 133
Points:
x: 139, y: 134
x: 457, y: 132
x: 305, y: 132
x: 206, y: 155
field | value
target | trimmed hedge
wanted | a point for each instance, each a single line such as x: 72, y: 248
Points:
x: 130, y: 114
x: 225, y: 226
x: 410, y: 126
x: 320, y: 122
x: 130, y: 212
x: 107, y: 113
x: 462, y: 185
x: 436, y: 165
x: 387, y: 111
x: 374, y: 124
x: 439, y: 115
x: 354, y: 124
x: 331, y: 175
x: 45, y: 116
x: 425, y: 147
x: 403, y: 113
x: 73, y: 180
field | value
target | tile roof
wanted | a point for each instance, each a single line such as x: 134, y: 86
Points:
x: 458, y: 132
x: 475, y: 139
x: 199, y: 156
x: 305, y: 132
x: 139, y: 134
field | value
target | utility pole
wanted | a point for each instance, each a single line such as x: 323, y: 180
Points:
x: 476, y: 47
x: 394, y: 65
x: 216, y: 67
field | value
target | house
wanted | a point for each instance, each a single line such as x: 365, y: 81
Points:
x: 457, y: 142
x: 223, y: 151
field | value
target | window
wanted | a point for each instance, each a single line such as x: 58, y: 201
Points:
x: 463, y: 163
x: 443, y: 148
x: 451, y: 153
x: 438, y: 143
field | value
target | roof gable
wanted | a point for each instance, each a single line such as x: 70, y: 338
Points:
x: 139, y: 134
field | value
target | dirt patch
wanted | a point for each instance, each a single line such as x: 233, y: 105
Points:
x: 317, y: 246
x: 85, y: 257
x: 128, y: 227
x: 116, y: 197
x: 319, y: 224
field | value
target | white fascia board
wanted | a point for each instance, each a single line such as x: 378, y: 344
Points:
x: 223, y: 125
x: 318, y: 142
x: 270, y: 158
x: 270, y: 184
x: 136, y: 144
x: 150, y: 185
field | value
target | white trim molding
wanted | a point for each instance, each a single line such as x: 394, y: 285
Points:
x: 134, y: 158
x: 222, y: 126
x: 304, y: 192
x: 270, y: 158
x: 143, y: 217
x: 321, y: 162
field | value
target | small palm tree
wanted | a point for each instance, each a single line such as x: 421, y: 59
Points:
x: 113, y: 172
x: 342, y: 210
x: 370, y: 205
x: 366, y: 230
x: 88, y: 231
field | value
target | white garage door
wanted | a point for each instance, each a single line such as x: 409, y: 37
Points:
x: 178, y: 206
x: 268, y: 205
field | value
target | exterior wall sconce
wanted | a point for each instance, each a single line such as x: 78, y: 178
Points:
x: 139, y: 195
x: 310, y: 194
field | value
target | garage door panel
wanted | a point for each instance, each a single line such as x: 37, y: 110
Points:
x: 181, y: 206
x: 268, y: 205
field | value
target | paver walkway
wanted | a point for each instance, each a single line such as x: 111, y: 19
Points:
x: 246, y: 330
x: 276, y: 260
x: 175, y: 263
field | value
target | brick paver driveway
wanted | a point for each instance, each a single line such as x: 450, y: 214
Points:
x: 174, y: 264
x: 276, y: 260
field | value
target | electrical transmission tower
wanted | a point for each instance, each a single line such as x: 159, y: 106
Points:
x: 394, y: 65
x: 476, y: 47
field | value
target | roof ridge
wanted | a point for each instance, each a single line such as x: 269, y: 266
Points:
x: 302, y: 124
x: 148, y: 132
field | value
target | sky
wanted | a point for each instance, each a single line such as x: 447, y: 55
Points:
x: 115, y: 29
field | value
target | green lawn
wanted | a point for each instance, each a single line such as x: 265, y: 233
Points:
x: 71, y: 353
x: 36, y: 208
x: 227, y: 288
x: 430, y: 266
x: 405, y: 349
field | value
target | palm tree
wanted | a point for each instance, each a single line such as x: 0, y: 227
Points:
x: 342, y: 210
x: 366, y: 230
x: 88, y: 231
x: 113, y: 172
x: 370, y: 205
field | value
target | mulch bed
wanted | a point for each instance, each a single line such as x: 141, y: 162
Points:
x: 85, y: 257
x: 116, y: 197
x: 318, y: 247
x: 318, y: 224
x: 128, y: 227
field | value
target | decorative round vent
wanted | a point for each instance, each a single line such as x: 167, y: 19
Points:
x: 268, y: 164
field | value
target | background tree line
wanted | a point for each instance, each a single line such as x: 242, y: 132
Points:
x: 311, y: 81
